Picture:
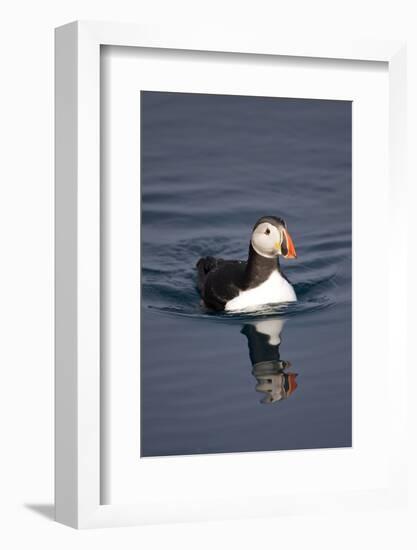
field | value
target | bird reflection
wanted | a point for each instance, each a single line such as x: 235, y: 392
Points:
x: 264, y: 339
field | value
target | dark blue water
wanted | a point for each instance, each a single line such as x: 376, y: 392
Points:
x: 279, y: 378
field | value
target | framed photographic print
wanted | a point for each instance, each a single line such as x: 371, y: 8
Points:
x: 223, y: 208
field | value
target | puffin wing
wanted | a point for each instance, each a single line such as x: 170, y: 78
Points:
x: 219, y: 280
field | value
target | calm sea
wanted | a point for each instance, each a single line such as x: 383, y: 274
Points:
x: 280, y: 379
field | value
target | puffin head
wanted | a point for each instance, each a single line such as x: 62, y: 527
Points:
x: 270, y: 238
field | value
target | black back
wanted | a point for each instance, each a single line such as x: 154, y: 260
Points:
x: 219, y: 281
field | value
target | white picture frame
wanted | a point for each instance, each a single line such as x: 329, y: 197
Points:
x: 78, y: 321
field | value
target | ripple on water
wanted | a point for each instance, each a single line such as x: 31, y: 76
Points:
x: 169, y: 278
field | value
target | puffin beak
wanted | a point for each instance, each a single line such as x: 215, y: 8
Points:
x: 288, y: 248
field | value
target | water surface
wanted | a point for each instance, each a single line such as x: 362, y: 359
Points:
x: 272, y: 380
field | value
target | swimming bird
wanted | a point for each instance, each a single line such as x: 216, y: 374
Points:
x: 234, y: 285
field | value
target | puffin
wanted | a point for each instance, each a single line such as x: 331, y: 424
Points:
x: 234, y: 285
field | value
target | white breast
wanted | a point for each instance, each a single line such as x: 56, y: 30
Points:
x: 274, y: 290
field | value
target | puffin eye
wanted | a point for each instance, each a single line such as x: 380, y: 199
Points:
x: 267, y: 231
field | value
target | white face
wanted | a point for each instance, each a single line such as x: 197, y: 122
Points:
x: 267, y: 240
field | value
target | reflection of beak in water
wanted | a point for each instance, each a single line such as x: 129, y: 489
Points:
x: 273, y: 381
x: 264, y: 339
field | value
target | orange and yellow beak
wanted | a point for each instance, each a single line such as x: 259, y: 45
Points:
x: 286, y: 248
x: 290, y: 245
